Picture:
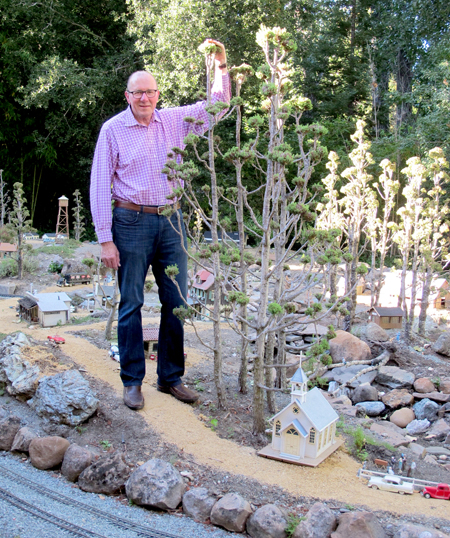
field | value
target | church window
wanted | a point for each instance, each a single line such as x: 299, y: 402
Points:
x: 277, y: 428
x: 312, y: 436
x: 296, y: 410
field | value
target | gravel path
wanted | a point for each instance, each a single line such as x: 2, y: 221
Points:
x: 17, y: 523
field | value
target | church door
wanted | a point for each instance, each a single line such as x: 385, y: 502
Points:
x: 292, y: 442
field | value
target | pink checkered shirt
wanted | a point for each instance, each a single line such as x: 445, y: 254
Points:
x: 129, y: 156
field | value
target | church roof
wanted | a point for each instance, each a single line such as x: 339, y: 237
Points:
x: 299, y: 376
x: 318, y: 409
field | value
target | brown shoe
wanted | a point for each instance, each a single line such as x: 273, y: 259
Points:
x: 180, y: 392
x: 132, y: 397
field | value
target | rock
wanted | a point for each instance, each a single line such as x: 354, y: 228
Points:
x: 76, y: 460
x: 442, y: 345
x: 64, y: 398
x: 231, y: 512
x: 342, y: 374
x: 440, y: 429
x: 444, y: 385
x: 267, y: 522
x: 391, y: 433
x: 430, y: 459
x: 47, y: 452
x: 358, y: 524
x: 447, y: 440
x: 22, y: 440
x: 402, y: 417
x: 156, y: 483
x: 436, y: 396
x: 9, y: 427
x: 347, y: 347
x: 426, y: 409
x: 408, y: 530
x: 106, y: 475
x: 397, y: 398
x: 394, y: 377
x: 423, y: 384
x: 198, y: 503
x: 320, y: 522
x: 20, y: 376
x: 418, y: 450
x: 376, y: 333
x: 3, y: 413
x: 418, y: 426
x: 19, y: 340
x: 365, y: 393
x: 438, y: 451
x: 372, y: 409
x: 61, y: 430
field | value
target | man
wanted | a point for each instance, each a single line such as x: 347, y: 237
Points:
x: 131, y: 152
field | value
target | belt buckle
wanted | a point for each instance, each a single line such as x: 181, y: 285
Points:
x: 160, y: 209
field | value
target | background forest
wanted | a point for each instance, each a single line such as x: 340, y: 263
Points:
x: 64, y: 65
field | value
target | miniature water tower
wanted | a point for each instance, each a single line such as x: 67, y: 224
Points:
x: 62, y: 224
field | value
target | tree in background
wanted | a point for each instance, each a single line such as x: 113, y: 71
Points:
x: 78, y: 218
x: 20, y: 223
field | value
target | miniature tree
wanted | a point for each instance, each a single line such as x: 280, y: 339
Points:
x: 20, y: 223
x: 434, y: 247
x: 4, y: 198
x: 78, y: 216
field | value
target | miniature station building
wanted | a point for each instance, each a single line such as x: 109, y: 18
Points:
x: 7, y: 249
x: 30, y: 236
x: 53, y: 308
x: 150, y: 338
x: 29, y: 310
x: 304, y: 432
x: 387, y: 317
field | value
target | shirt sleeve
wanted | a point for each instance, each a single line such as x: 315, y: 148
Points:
x: 102, y: 173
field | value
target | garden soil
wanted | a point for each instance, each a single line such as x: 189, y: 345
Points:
x: 178, y: 425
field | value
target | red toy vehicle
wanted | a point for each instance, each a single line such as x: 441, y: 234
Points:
x: 57, y: 339
x: 441, y: 491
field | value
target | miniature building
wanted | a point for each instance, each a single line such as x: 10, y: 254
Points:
x: 387, y: 317
x: 231, y: 237
x: 439, y: 297
x: 150, y: 338
x: 106, y: 293
x: 48, y: 237
x: 202, y: 291
x: 30, y: 236
x: 62, y: 224
x: 6, y: 249
x: 29, y: 310
x: 54, y: 308
x: 304, y: 431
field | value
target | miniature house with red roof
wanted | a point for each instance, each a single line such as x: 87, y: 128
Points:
x: 304, y: 432
x: 201, y: 292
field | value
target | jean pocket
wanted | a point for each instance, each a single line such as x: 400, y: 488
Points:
x: 125, y: 217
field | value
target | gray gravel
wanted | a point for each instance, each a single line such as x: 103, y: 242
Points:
x: 15, y: 523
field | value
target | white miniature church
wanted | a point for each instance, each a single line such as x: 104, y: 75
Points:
x: 304, y: 432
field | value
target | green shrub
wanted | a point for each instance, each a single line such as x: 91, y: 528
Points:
x: 8, y: 267
x: 55, y: 267
x: 30, y: 265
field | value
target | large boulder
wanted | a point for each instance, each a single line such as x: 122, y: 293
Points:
x: 320, y: 522
x: 156, y: 483
x: 442, y: 344
x: 394, y: 377
x: 424, y: 385
x: 375, y: 333
x: 397, y: 398
x: 347, y: 347
x: 47, y: 452
x: 76, y: 460
x: 402, y: 417
x: 365, y: 393
x: 342, y: 374
x: 390, y: 433
x: 64, y: 398
x: 23, y: 439
x: 267, y: 522
x: 408, y: 530
x: 9, y: 426
x: 426, y: 409
x: 20, y: 376
x: 106, y: 475
x: 231, y: 512
x: 359, y: 524
x: 198, y: 503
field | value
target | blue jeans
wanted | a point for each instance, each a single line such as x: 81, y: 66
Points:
x: 145, y: 239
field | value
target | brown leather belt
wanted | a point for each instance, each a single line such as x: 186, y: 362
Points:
x: 156, y: 210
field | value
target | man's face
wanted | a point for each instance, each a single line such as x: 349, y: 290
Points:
x: 142, y: 108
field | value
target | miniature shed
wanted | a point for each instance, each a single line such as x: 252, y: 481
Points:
x: 54, y: 308
x: 439, y: 297
x: 304, y: 431
x: 29, y: 310
x: 150, y: 337
x: 387, y: 317
x: 6, y: 249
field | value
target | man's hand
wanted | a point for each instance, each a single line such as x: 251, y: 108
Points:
x: 221, y: 57
x: 110, y: 255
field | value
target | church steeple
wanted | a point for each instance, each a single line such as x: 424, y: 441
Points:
x: 299, y: 384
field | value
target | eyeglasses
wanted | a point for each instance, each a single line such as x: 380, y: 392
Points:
x: 139, y: 93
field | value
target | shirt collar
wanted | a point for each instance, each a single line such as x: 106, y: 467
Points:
x: 130, y: 120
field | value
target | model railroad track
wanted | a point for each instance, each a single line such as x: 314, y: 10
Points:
x: 118, y: 522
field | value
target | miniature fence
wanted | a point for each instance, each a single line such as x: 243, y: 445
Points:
x: 417, y: 483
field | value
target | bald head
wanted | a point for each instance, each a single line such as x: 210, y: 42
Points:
x: 141, y: 75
